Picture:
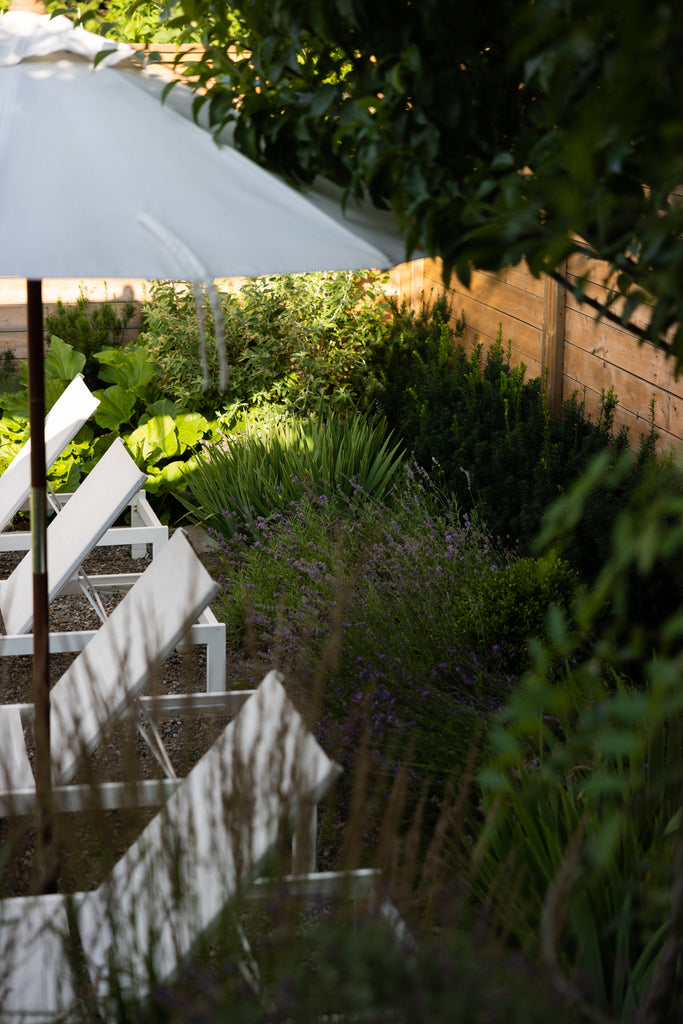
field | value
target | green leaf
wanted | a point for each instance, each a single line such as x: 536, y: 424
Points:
x: 502, y: 162
x: 66, y: 475
x: 164, y: 407
x: 62, y: 362
x: 168, y: 477
x: 130, y: 367
x: 155, y: 439
x: 192, y: 427
x: 116, y: 407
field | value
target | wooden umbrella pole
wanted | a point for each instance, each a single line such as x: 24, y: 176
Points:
x: 41, y: 663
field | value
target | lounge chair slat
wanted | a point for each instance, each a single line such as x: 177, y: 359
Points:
x: 72, y: 409
x: 73, y: 533
x: 138, y: 635
x: 15, y: 767
x: 223, y: 818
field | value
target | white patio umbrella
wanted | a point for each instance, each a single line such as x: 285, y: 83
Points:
x: 99, y: 179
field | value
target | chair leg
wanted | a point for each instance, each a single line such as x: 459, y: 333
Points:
x: 304, y: 842
x: 147, y: 728
x: 136, y: 519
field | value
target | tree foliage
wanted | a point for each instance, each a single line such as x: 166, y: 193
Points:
x: 496, y: 130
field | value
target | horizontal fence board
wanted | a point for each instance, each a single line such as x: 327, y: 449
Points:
x: 600, y: 293
x: 598, y: 286
x: 619, y: 348
x: 407, y: 280
x: 518, y: 276
x: 595, y: 271
x: 13, y: 289
x: 633, y: 393
x: 500, y: 296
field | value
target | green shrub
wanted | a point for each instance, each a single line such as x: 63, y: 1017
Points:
x: 510, y: 606
x: 257, y: 472
x: 88, y: 329
x: 358, y: 601
x: 292, y: 340
x: 10, y: 379
x: 483, y: 431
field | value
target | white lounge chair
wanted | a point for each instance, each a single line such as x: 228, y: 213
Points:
x: 71, y: 536
x: 70, y: 412
x: 72, y: 409
x: 105, y: 679
x: 214, y: 833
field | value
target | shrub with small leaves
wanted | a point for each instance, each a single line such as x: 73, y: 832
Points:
x: 510, y: 606
x: 483, y: 431
x: 292, y: 340
x: 88, y: 328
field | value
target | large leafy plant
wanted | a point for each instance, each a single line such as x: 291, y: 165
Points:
x: 62, y: 363
x: 160, y: 436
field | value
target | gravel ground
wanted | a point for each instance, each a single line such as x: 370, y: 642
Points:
x: 93, y: 841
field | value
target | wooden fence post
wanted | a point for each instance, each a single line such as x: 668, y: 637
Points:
x: 552, y: 341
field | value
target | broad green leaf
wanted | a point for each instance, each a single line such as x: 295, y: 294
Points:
x: 164, y: 407
x: 62, y: 361
x: 155, y: 439
x: 13, y: 427
x: 129, y: 367
x: 192, y: 427
x: 168, y: 477
x: 116, y: 407
x: 67, y: 476
x: 15, y: 404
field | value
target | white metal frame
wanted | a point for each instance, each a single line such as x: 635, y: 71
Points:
x: 71, y: 411
x: 105, y: 679
x: 145, y: 528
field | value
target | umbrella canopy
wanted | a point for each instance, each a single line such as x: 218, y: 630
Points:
x: 98, y: 178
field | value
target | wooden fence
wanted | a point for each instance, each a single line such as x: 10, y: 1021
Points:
x: 548, y: 330
x: 13, y: 304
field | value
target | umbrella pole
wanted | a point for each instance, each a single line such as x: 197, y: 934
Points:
x: 41, y: 664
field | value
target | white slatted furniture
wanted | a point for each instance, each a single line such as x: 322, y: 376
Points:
x: 66, y: 417
x: 103, y: 682
x: 70, y: 412
x: 224, y: 819
x: 71, y: 536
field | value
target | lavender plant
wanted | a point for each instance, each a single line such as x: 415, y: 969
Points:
x: 369, y: 599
